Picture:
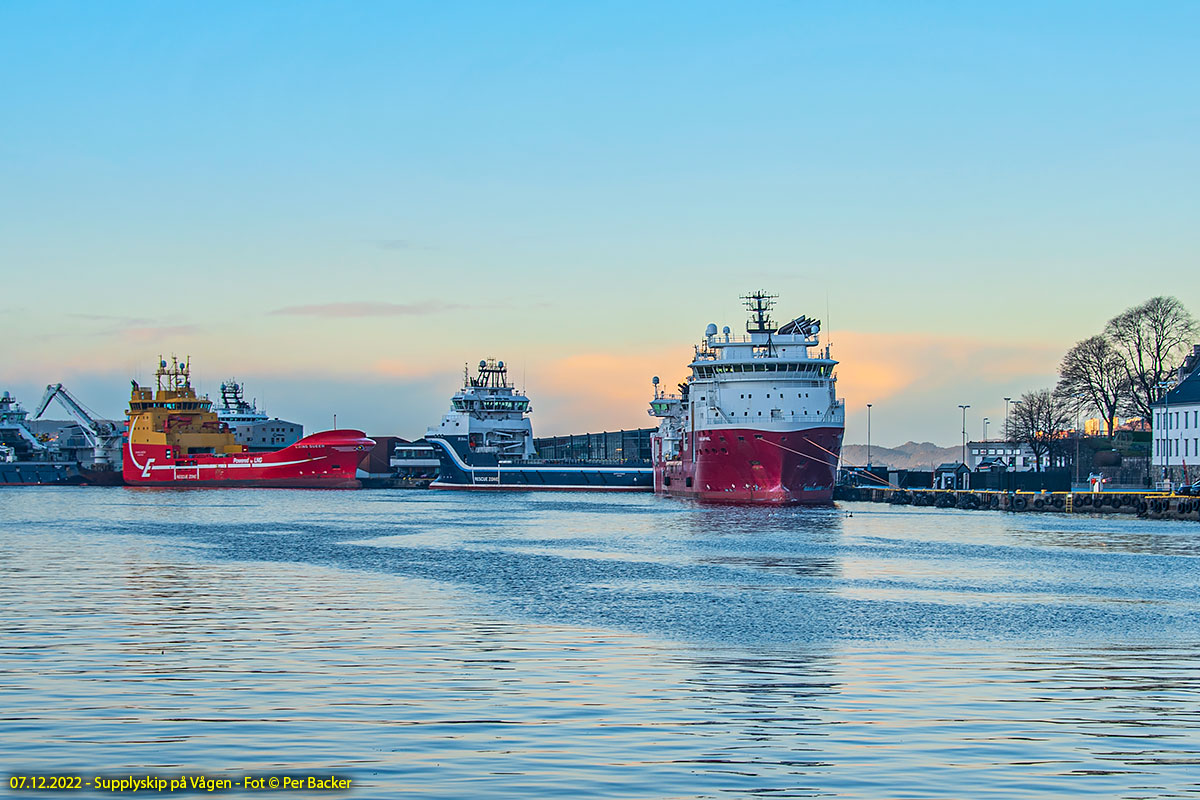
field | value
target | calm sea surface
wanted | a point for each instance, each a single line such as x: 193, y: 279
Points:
x: 444, y: 644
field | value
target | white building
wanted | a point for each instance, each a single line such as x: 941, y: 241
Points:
x: 1176, y: 425
x: 1015, y: 455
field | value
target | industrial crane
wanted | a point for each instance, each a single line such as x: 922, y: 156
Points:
x: 104, y: 436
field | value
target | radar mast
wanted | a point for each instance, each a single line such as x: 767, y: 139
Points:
x: 759, y: 304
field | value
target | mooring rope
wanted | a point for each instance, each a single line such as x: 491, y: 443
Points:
x: 826, y: 463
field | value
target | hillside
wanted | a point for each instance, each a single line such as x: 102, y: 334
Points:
x: 910, y: 455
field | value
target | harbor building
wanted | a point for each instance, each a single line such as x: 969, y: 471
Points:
x: 1176, y: 426
x: 1017, y: 456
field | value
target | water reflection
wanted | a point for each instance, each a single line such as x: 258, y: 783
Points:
x: 606, y: 647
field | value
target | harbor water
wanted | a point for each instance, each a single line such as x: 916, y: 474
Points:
x: 450, y: 645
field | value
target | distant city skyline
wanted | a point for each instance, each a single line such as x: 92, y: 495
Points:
x: 342, y: 205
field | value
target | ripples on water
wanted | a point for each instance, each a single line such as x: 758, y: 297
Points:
x: 522, y: 645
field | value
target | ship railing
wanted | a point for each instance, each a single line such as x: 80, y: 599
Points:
x: 760, y: 338
x: 578, y: 462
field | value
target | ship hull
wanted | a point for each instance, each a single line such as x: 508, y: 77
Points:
x: 745, y: 465
x: 465, y: 470
x: 40, y: 473
x: 326, y: 460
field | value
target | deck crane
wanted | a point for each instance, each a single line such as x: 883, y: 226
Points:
x: 104, y: 436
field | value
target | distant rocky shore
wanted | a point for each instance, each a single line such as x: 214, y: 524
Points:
x: 910, y: 455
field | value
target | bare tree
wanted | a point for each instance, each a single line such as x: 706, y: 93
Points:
x: 1150, y: 338
x: 1039, y: 419
x: 1091, y: 377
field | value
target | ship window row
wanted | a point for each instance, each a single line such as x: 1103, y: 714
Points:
x: 170, y: 406
x: 708, y: 371
x: 492, y: 405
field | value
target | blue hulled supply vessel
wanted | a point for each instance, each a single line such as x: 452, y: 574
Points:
x: 486, y: 442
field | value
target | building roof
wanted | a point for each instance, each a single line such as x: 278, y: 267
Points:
x: 1188, y: 391
x: 951, y: 466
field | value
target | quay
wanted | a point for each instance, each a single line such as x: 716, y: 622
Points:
x: 1152, y: 505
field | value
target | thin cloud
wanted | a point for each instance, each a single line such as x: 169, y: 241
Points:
x: 153, y: 334
x: 122, y: 321
x: 399, y: 244
x: 344, y: 310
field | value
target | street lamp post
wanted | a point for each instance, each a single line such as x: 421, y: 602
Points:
x: 1078, y: 432
x: 1166, y: 442
x: 1015, y: 447
x: 985, y: 424
x: 1007, y: 400
x: 869, y: 436
x: 964, y: 432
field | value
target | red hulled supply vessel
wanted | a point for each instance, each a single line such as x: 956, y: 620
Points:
x: 757, y: 421
x: 176, y: 439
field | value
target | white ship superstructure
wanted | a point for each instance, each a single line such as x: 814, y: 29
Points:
x: 486, y: 442
x: 758, y: 420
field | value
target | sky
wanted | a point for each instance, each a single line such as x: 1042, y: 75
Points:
x: 341, y: 204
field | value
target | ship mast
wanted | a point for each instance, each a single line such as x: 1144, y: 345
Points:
x: 175, y: 377
x: 759, y: 304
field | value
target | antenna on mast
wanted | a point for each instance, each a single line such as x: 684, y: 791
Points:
x: 828, y: 323
x: 759, y: 304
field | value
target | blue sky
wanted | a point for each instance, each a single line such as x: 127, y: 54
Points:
x: 341, y: 203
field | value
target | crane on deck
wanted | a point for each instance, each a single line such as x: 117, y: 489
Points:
x: 104, y: 436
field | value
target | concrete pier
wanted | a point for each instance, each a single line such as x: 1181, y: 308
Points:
x: 1153, y: 505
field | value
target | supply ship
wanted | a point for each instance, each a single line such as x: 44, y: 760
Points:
x: 486, y: 442
x: 176, y: 439
x: 250, y: 425
x: 758, y: 420
x: 27, y: 459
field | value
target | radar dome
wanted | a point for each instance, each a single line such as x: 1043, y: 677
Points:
x: 711, y: 330
x: 653, y: 380
x: 482, y: 363
x: 725, y: 330
x: 500, y: 364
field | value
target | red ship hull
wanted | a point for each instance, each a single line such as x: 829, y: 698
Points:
x: 326, y: 460
x: 744, y: 465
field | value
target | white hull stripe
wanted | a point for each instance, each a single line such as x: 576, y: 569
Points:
x: 520, y: 487
x: 541, y: 468
x: 149, y: 466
